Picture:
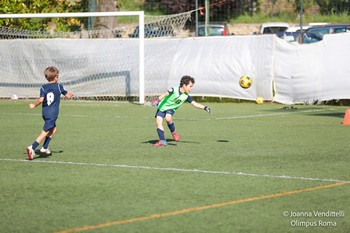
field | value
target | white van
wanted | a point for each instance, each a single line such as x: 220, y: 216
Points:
x: 273, y: 27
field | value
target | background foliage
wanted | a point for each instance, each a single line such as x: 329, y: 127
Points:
x: 42, y: 6
x: 334, y: 6
x: 243, y: 11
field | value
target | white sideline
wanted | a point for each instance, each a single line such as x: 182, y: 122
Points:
x: 177, y: 170
x: 180, y: 118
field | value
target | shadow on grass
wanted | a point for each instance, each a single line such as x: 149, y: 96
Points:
x: 40, y: 155
x: 293, y: 108
x: 303, y: 109
x: 171, y: 142
x: 330, y: 114
x: 222, y: 140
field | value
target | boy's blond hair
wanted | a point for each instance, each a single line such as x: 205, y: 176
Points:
x: 50, y: 73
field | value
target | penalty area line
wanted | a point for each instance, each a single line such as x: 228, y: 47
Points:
x: 199, y: 208
x: 179, y: 170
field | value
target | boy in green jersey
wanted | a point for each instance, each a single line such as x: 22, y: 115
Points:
x: 169, y: 102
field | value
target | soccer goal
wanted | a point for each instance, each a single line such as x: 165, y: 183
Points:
x: 96, y: 63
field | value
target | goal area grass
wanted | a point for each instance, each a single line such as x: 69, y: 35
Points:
x: 245, y: 168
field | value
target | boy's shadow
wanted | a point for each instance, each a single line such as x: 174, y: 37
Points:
x: 172, y: 142
x: 40, y: 155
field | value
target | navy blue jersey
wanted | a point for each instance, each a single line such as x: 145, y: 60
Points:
x: 52, y: 96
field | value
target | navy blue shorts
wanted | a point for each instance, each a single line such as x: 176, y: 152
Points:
x: 50, y: 123
x: 162, y: 114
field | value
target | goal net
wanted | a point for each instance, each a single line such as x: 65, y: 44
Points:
x: 96, y: 63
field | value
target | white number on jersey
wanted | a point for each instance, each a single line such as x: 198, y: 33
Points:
x: 50, y: 97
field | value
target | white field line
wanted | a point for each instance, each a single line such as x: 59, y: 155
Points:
x: 80, y: 116
x: 177, y: 170
x: 180, y: 118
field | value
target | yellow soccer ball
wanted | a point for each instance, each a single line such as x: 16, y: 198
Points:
x: 245, y: 81
x: 259, y: 100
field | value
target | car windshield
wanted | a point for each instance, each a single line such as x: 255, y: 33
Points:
x: 320, y: 32
x: 269, y: 30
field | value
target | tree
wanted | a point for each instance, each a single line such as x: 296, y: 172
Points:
x: 219, y: 10
x: 42, y: 6
x: 306, y: 4
x: 106, y: 24
x: 334, y: 6
x: 58, y: 6
x: 273, y: 3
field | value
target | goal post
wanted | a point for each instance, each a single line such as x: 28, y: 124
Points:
x: 141, y: 35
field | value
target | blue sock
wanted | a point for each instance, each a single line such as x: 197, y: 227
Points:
x: 35, y: 145
x: 171, y: 127
x: 161, y: 134
x: 46, y: 142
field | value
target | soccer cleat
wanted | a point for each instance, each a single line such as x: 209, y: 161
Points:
x: 31, y: 152
x: 160, y: 143
x: 45, y: 151
x: 176, y: 136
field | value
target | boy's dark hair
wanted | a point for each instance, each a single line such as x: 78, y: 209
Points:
x: 186, y: 80
x: 50, y: 73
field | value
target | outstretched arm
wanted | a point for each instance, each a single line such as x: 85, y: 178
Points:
x: 162, y: 96
x: 201, y: 106
x: 38, y: 102
x: 69, y: 95
x: 156, y: 101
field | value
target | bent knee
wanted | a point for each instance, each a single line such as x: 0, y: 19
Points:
x: 169, y: 119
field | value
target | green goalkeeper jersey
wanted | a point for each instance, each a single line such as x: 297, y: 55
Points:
x: 174, y: 99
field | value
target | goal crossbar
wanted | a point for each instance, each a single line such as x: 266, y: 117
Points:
x: 140, y: 15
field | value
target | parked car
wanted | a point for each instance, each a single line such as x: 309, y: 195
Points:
x: 154, y: 30
x: 313, y: 33
x: 288, y: 36
x: 328, y: 29
x: 273, y: 27
x: 293, y: 37
x: 297, y: 28
x: 316, y: 33
x: 213, y: 30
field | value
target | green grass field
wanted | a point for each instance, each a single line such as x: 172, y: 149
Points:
x: 246, y: 168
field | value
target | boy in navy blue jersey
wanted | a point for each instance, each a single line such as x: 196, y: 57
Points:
x: 50, y: 95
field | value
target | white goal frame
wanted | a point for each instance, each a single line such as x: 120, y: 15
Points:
x: 140, y: 15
